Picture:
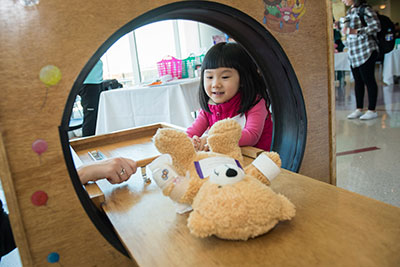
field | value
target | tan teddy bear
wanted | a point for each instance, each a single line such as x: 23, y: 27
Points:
x: 227, y: 201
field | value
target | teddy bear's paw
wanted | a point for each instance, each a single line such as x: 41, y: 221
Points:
x: 253, y: 171
x: 225, y: 144
x: 226, y: 125
x: 288, y: 210
x: 168, y: 141
x: 178, y: 145
x: 168, y: 189
x: 274, y: 157
x: 266, y: 166
x: 224, y: 137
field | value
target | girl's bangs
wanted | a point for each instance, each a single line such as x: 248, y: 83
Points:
x: 219, y: 60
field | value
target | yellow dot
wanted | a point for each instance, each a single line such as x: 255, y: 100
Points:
x: 50, y: 75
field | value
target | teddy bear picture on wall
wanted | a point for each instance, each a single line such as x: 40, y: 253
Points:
x: 224, y: 198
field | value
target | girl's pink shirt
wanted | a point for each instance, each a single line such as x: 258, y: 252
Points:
x: 257, y: 131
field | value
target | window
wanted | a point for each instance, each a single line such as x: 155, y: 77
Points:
x: 133, y: 58
x: 117, y: 63
x: 153, y: 43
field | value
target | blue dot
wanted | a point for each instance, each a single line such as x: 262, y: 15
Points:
x: 53, y: 257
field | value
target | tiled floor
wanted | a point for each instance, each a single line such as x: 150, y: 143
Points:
x: 368, y: 152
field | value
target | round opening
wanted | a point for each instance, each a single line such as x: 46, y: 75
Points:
x: 288, y: 108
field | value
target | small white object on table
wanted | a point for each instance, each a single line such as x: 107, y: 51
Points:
x: 342, y: 62
x: 131, y: 107
x: 391, y: 66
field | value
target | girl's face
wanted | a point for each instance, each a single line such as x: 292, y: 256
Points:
x: 348, y: 2
x: 221, y: 84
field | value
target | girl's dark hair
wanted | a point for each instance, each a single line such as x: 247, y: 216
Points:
x: 232, y: 55
x: 359, y: 2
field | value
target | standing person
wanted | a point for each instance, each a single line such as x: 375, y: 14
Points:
x: 90, y: 95
x: 396, y: 30
x: 337, y: 36
x: 231, y: 87
x: 363, y: 52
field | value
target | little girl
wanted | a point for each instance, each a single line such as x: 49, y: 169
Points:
x: 231, y: 87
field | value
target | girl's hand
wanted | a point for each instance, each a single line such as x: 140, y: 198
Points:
x: 196, y: 142
x: 200, y: 143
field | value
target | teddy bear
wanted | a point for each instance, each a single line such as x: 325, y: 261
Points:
x: 225, y: 199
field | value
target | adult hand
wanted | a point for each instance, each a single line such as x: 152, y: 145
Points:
x: 115, y: 170
x: 353, y: 31
x: 347, y: 30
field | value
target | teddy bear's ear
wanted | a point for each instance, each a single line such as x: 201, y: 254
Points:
x: 177, y: 144
x: 224, y: 137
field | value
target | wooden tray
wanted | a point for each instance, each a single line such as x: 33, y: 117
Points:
x: 135, y: 143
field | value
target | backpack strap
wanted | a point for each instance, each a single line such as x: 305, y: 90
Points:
x: 362, y: 14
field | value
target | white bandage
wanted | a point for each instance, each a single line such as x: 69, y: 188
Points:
x: 164, y: 175
x: 266, y: 166
x: 206, y: 166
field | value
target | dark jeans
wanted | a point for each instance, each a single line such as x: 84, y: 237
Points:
x: 7, y: 243
x: 365, y: 75
x: 90, y: 94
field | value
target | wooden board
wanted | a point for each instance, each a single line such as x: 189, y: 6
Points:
x: 134, y: 143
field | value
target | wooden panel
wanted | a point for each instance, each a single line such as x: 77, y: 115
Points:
x: 309, y: 50
x: 66, y: 34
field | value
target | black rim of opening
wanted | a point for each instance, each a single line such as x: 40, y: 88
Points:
x: 288, y: 108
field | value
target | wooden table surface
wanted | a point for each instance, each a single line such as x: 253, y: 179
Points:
x: 332, y: 227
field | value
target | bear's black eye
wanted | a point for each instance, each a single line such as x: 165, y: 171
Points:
x: 231, y: 172
x: 220, y: 186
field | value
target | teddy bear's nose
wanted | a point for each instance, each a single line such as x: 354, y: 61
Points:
x: 231, y: 172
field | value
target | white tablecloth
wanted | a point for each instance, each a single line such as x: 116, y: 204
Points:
x: 342, y: 62
x: 129, y: 107
x: 391, y: 66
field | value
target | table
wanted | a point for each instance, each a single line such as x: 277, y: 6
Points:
x: 332, y: 226
x: 342, y: 62
x: 391, y: 66
x: 130, y: 107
